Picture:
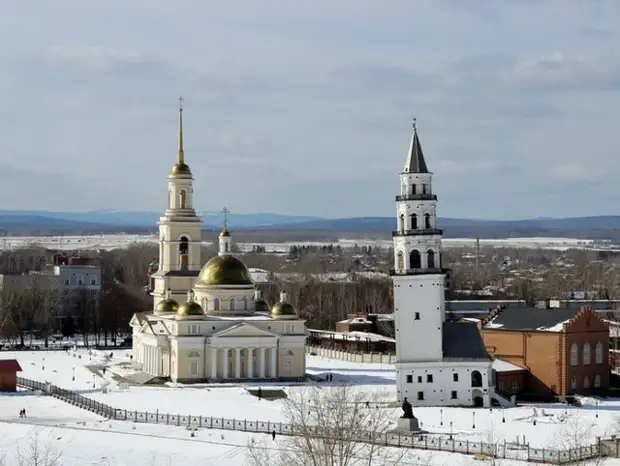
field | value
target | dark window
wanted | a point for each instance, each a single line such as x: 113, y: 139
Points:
x: 430, y: 259
x: 419, y: 379
x: 417, y: 316
x: 455, y: 377
x: 427, y: 220
x: 410, y: 379
x: 420, y: 395
x: 476, y: 379
x: 413, y: 189
x: 414, y: 222
x: 453, y: 395
x: 424, y: 189
x: 429, y: 378
x: 415, y: 260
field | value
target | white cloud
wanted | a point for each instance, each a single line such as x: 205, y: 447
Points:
x: 99, y: 59
x: 573, y: 172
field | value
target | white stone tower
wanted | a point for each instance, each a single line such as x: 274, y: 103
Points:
x: 418, y: 276
x: 180, y: 234
x: 225, y: 240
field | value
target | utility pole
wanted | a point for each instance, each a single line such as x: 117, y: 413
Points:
x: 478, y: 262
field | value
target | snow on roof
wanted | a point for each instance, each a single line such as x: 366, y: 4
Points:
x: 355, y: 320
x: 352, y: 336
x: 504, y: 366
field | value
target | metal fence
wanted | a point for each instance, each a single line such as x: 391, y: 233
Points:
x: 415, y: 440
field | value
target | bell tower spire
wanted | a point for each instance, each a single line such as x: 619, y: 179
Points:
x: 225, y: 237
x: 180, y: 154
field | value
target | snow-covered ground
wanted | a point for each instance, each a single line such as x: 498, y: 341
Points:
x: 109, y: 242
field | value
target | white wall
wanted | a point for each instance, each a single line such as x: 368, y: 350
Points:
x: 419, y: 340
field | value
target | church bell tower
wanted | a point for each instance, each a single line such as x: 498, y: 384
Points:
x: 418, y: 275
x: 180, y: 231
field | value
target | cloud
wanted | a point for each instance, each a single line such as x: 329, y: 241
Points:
x: 101, y: 59
x: 574, y: 172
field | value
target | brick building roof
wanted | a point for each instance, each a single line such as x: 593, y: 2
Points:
x: 515, y: 318
x: 9, y: 365
x: 462, y: 340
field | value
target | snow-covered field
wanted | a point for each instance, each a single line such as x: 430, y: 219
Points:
x: 109, y: 242
x: 85, y: 438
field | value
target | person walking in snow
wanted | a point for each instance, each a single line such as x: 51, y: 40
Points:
x: 273, y: 435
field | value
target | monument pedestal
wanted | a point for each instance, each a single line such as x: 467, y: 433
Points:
x: 407, y: 425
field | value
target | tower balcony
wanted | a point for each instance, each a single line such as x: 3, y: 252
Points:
x: 431, y: 271
x: 418, y: 232
x: 416, y: 197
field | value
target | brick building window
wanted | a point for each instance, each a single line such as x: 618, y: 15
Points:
x: 573, y: 384
x: 586, y: 382
x: 599, y: 353
x: 597, y: 381
x: 453, y: 395
x: 420, y: 396
x: 586, y: 354
x: 515, y: 386
x: 574, y: 355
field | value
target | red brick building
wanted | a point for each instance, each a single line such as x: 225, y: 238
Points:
x: 8, y: 375
x: 565, y: 351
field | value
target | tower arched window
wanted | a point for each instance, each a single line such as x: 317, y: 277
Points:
x: 599, y: 353
x: 226, y: 246
x: 586, y: 354
x: 245, y: 303
x: 427, y: 220
x: 401, y: 222
x: 415, y: 260
x: 400, y: 262
x: 574, y: 355
x: 414, y: 222
x: 183, y: 199
x: 430, y: 259
x: 424, y: 189
x: 413, y: 189
x: 597, y: 381
x: 586, y: 382
x: 183, y: 252
x: 231, y: 304
x: 216, y: 304
x: 573, y: 384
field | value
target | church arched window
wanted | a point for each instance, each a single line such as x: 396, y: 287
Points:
x: 430, y: 259
x: 183, y: 199
x: 414, y: 222
x: 415, y: 260
x: 216, y: 304
x: 184, y: 252
x: 245, y: 303
x: 193, y: 354
x: 401, y: 222
x: 400, y: 261
x: 427, y: 221
x: 231, y: 304
x: 413, y: 189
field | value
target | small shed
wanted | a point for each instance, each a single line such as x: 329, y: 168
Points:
x: 8, y: 375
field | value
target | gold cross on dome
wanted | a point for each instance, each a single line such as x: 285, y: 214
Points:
x: 225, y: 211
x: 181, y: 100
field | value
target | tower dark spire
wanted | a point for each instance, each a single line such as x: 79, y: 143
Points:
x: 415, y: 158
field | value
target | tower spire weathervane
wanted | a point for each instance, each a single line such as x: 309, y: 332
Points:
x: 226, y: 212
x: 180, y: 154
x: 415, y: 126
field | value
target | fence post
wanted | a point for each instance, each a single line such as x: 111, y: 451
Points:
x: 125, y: 414
x: 178, y: 419
x: 200, y: 421
x: 268, y: 429
x: 245, y: 425
x: 157, y: 417
x: 135, y: 419
x: 146, y: 417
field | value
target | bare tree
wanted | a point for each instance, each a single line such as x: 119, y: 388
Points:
x: 33, y: 453
x: 328, y: 427
x: 578, y: 435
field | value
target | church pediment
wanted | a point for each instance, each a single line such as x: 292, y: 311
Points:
x: 243, y: 330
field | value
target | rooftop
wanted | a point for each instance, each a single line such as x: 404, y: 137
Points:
x: 543, y: 320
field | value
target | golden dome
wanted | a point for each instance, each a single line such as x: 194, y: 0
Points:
x: 283, y: 309
x: 261, y: 305
x: 225, y: 233
x: 180, y: 169
x: 167, y: 305
x: 190, y: 309
x: 224, y: 270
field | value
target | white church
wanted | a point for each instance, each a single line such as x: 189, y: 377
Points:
x: 209, y: 322
x: 438, y: 362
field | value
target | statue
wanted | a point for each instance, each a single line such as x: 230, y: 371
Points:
x: 407, y: 410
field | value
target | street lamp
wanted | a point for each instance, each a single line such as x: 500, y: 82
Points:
x: 73, y: 378
x: 473, y: 424
x: 43, y: 366
x: 441, y: 417
x: 93, y: 380
x: 503, y: 416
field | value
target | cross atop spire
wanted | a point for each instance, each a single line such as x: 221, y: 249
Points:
x: 225, y: 211
x: 415, y: 158
x: 180, y: 154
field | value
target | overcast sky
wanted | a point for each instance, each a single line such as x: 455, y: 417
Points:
x: 306, y: 107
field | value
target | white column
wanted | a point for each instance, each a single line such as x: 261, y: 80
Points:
x: 237, y: 363
x: 225, y: 359
x: 147, y: 366
x: 274, y: 362
x: 214, y: 363
x: 261, y: 363
x: 250, y: 367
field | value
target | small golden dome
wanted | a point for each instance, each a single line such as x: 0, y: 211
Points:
x: 225, y: 233
x: 283, y: 309
x: 261, y: 305
x: 190, y: 309
x: 167, y: 305
x: 180, y: 169
x: 224, y: 270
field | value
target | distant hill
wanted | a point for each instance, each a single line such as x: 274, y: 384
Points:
x: 108, y: 221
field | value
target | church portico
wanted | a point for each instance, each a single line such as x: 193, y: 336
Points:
x: 242, y: 362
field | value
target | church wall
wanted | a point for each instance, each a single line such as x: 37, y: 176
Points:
x: 206, y: 298
x: 291, y: 361
x: 178, y: 285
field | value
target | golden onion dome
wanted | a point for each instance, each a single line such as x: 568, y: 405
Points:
x: 225, y: 233
x: 224, y: 270
x: 166, y: 305
x: 180, y: 169
x: 260, y: 305
x: 283, y: 309
x: 190, y: 309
